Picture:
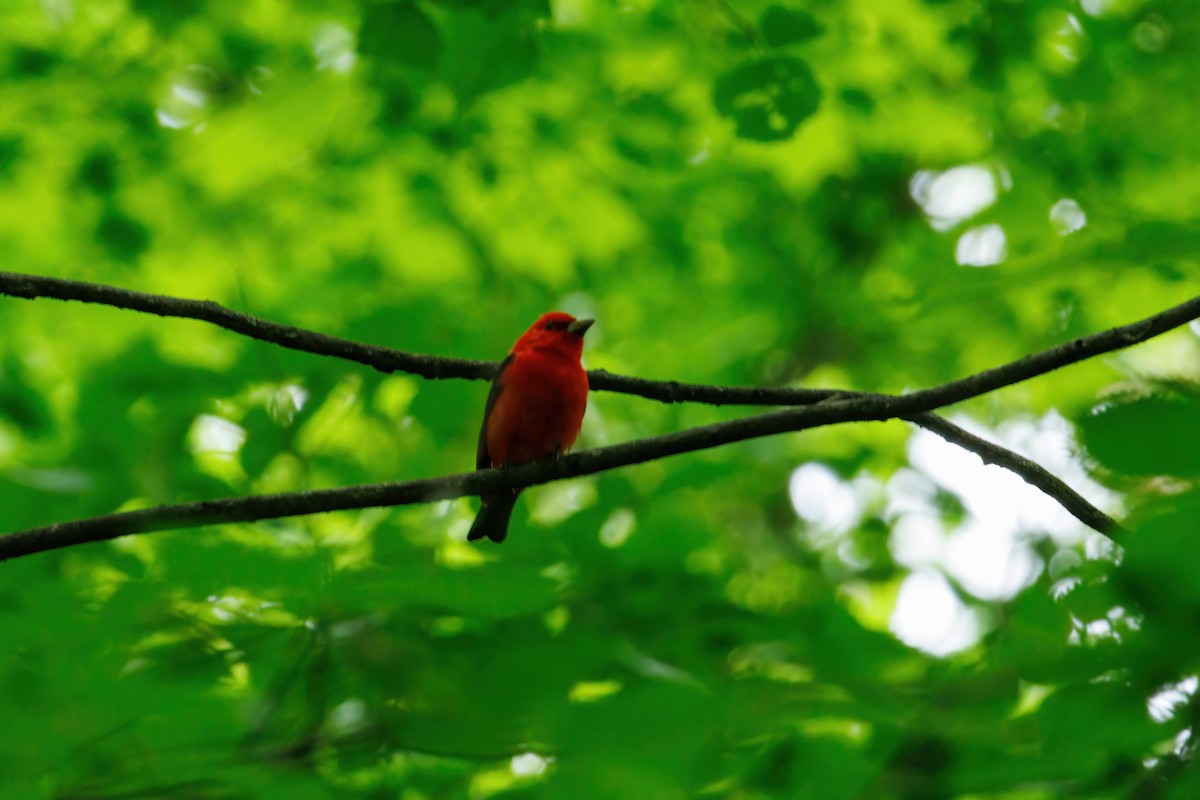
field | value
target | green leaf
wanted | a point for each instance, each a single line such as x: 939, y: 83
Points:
x: 1154, y: 435
x: 1161, y: 570
x: 124, y: 237
x: 11, y: 150
x: 783, y: 26
x: 400, y: 33
x: 768, y: 98
x: 168, y: 16
x: 98, y: 172
x: 487, y: 50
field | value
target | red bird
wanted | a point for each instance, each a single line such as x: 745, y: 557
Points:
x: 534, y: 410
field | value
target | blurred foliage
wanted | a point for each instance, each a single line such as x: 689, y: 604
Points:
x: 741, y: 192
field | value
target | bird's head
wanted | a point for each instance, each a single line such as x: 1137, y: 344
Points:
x: 555, y: 331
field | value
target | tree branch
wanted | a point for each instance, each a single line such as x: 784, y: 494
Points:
x: 32, y: 287
x: 383, y: 359
x: 860, y: 408
x: 588, y: 462
x: 387, y: 360
x: 913, y: 407
x: 1032, y: 472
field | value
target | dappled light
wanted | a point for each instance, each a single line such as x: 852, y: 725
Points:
x: 991, y: 553
x: 187, y: 99
x: 983, y: 246
x: 529, y: 765
x: 822, y: 499
x: 619, y: 526
x: 212, y: 434
x: 954, y: 195
x: 1003, y: 499
x: 1067, y: 217
x: 333, y: 48
x: 1166, y: 702
x: 931, y: 617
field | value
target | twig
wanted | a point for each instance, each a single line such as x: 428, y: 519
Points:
x: 383, y: 359
x: 32, y: 287
x: 260, y: 507
x: 851, y: 409
x: 1032, y: 472
x: 387, y: 360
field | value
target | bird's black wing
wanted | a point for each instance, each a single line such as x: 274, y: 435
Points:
x: 482, y: 459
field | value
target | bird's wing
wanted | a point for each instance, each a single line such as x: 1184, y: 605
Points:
x: 482, y: 459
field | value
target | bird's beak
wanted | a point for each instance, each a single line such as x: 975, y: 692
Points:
x: 579, y: 327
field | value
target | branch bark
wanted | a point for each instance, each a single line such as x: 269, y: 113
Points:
x: 387, y: 360
x: 1031, y: 471
x: 32, y: 287
x: 835, y: 407
x: 588, y: 462
x: 832, y: 410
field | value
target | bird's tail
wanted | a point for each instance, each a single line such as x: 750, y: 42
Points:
x: 494, y: 514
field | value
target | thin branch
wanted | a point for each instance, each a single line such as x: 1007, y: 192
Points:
x: 32, y: 287
x: 383, y: 359
x: 835, y: 410
x: 1032, y: 472
x: 387, y: 360
x: 588, y: 462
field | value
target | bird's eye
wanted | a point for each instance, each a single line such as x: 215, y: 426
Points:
x: 553, y: 326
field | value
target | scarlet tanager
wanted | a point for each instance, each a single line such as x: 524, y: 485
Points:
x: 533, y: 411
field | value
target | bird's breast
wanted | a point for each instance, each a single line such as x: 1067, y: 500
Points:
x: 540, y: 408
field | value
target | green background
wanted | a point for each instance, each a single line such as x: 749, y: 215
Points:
x: 845, y: 194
